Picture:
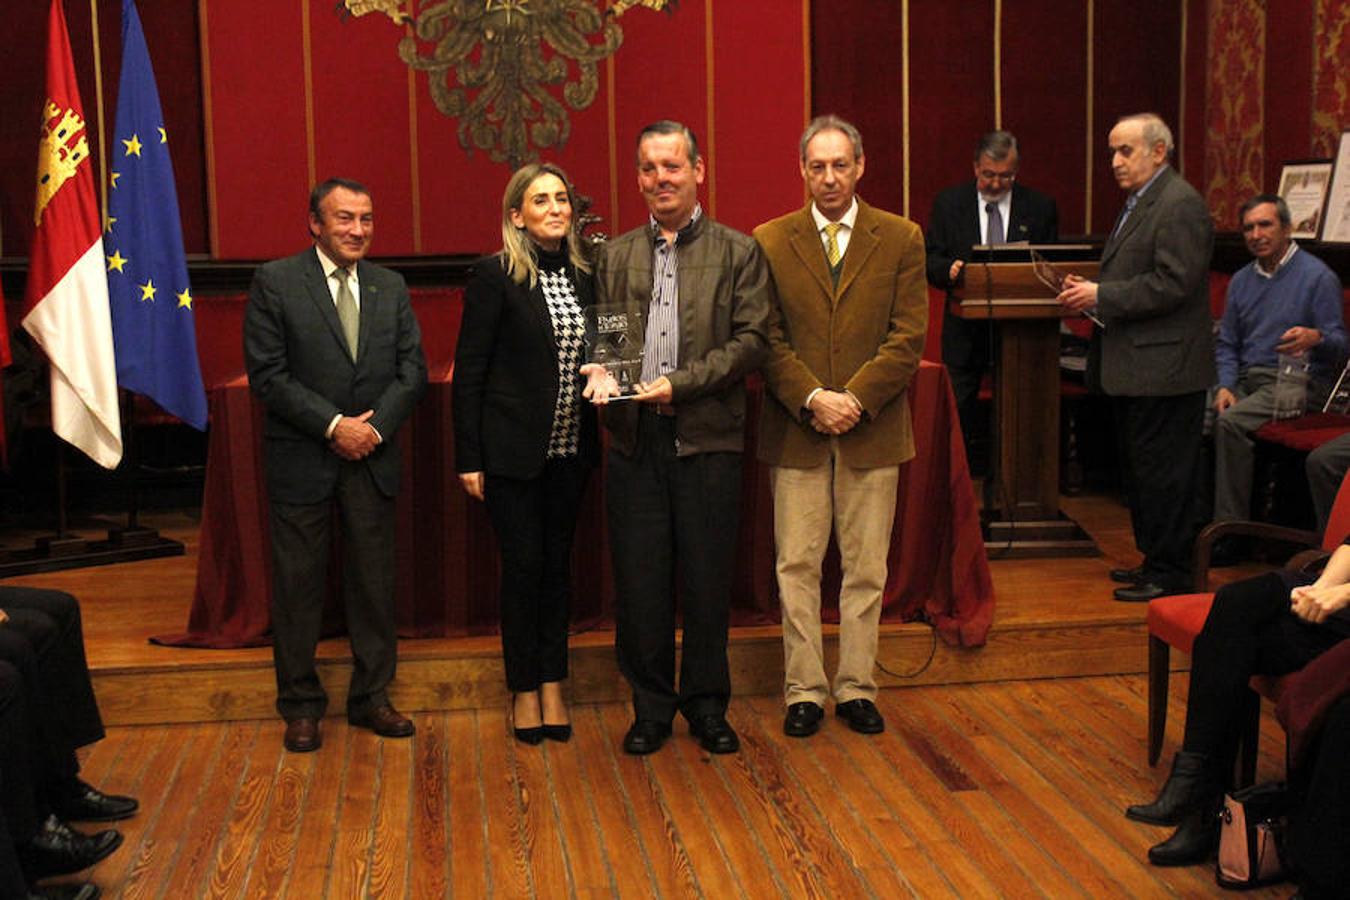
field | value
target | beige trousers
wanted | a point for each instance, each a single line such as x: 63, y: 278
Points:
x: 859, y: 505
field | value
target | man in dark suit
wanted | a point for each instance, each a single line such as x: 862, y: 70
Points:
x: 993, y: 209
x: 1153, y: 355
x: 335, y: 355
x: 846, y: 330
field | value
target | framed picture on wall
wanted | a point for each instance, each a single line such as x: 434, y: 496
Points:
x: 1303, y: 185
x: 1336, y: 227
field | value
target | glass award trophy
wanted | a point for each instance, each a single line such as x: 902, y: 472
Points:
x: 617, y: 339
x: 1054, y: 279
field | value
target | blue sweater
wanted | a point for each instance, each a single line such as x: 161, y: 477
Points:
x: 1258, y: 310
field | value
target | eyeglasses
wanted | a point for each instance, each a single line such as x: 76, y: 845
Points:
x: 997, y: 176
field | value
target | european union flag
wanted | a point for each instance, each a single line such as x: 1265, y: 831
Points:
x: 153, y: 333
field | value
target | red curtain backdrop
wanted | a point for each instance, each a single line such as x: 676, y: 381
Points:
x: 1257, y: 82
x: 735, y: 72
x: 171, y: 32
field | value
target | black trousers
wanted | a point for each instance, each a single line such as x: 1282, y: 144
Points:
x: 301, y: 541
x: 1319, y: 828
x: 21, y: 808
x: 1160, y: 451
x: 535, y: 520
x: 1250, y: 631
x: 11, y: 875
x: 668, y: 512
x: 967, y: 354
x: 44, y: 642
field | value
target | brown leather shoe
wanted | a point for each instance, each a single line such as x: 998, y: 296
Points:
x: 384, y: 721
x: 302, y: 735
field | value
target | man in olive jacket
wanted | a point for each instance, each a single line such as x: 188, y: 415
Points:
x: 674, y: 467
x: 845, y: 334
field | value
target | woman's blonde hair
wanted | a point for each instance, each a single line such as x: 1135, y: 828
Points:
x: 519, y: 254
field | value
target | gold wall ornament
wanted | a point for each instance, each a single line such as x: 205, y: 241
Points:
x: 357, y: 8
x: 494, y: 64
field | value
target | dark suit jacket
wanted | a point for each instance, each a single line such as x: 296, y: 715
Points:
x: 1153, y: 295
x: 954, y: 226
x: 299, y: 367
x: 506, y: 376
x: 864, y: 335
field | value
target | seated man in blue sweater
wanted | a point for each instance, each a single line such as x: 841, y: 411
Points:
x: 1286, y: 301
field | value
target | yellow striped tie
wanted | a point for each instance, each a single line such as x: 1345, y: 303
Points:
x: 832, y: 243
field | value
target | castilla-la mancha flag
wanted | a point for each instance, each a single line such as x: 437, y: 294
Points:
x: 66, y: 304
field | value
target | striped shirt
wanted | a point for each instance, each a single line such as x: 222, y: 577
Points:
x: 661, y: 347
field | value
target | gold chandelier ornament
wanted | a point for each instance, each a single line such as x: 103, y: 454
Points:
x: 496, y: 65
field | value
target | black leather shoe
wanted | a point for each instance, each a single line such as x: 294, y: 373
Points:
x: 1194, y: 841
x: 85, y: 803
x: 862, y: 716
x: 58, y: 849
x: 86, y: 891
x: 645, y: 736
x: 1143, y: 592
x: 1128, y: 576
x: 1188, y: 785
x: 802, y: 719
x: 384, y: 720
x: 714, y: 734
x: 302, y: 735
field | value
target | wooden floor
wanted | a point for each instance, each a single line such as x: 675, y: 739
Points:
x: 993, y: 790
x: 999, y: 775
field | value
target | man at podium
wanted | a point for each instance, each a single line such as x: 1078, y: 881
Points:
x: 992, y: 209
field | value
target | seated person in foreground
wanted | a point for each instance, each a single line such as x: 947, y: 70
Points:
x: 41, y: 635
x: 1326, y: 466
x: 1273, y: 624
x: 1286, y: 302
x: 35, y: 843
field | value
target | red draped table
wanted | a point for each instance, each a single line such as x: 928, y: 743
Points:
x: 446, y: 552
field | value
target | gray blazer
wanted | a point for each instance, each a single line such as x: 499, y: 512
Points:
x: 300, y: 368
x: 1153, y: 295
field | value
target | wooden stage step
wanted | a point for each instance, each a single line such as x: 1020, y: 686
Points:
x: 190, y: 685
x: 1053, y: 618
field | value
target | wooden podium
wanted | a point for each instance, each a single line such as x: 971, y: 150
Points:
x: 1023, y: 518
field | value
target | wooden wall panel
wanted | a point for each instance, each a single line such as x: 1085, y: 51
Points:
x: 951, y: 94
x: 258, y: 129
x: 1041, y: 56
x: 759, y: 111
x: 360, y: 118
x: 857, y: 68
x: 1137, y: 60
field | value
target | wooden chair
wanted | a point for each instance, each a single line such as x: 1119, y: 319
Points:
x: 1176, y: 620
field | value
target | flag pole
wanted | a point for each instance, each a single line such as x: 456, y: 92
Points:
x: 98, y: 104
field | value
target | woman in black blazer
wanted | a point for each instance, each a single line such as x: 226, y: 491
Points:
x: 525, y: 441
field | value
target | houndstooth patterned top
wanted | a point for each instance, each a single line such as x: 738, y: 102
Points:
x: 569, y: 332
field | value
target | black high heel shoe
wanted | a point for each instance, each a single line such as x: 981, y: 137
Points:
x: 560, y: 733
x: 532, y: 735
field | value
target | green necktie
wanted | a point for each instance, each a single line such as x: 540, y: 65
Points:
x: 348, y: 314
x: 832, y: 243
